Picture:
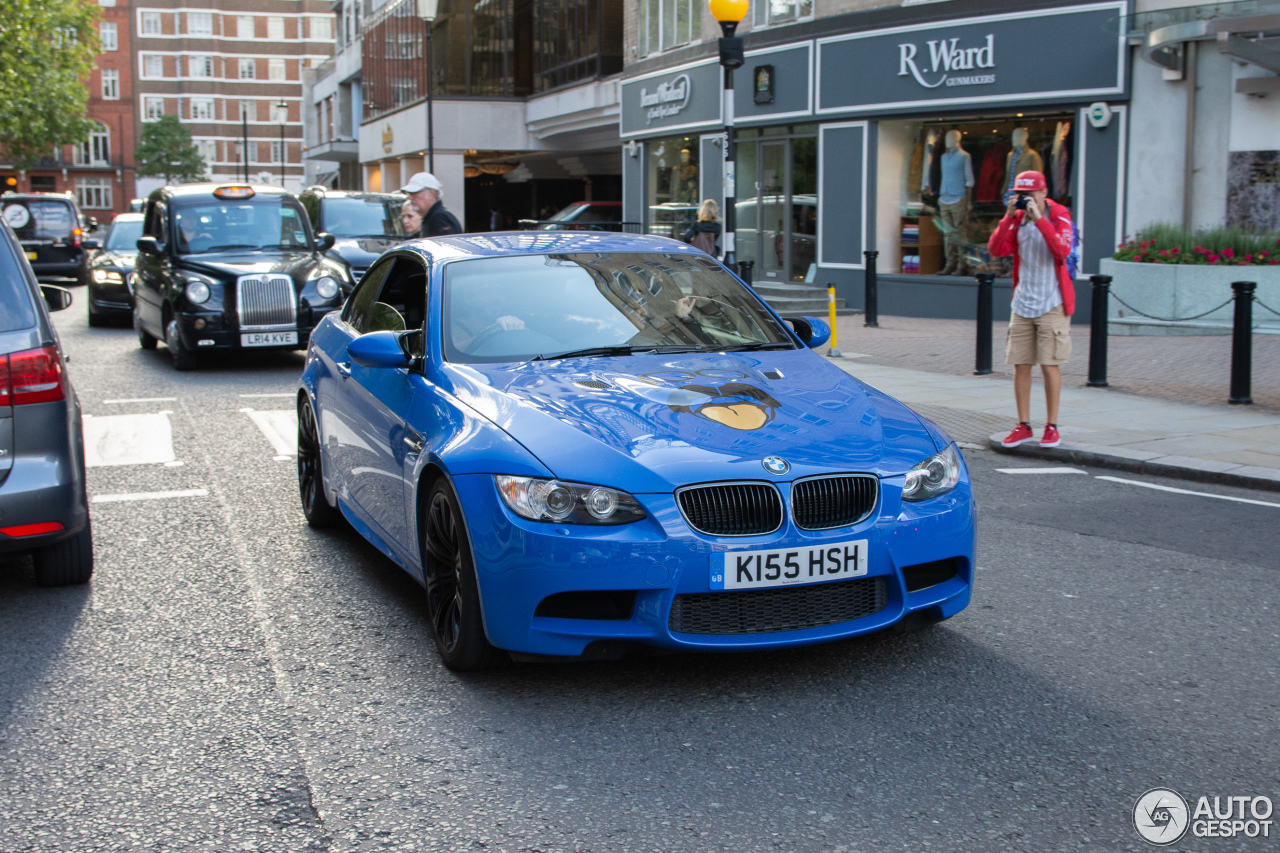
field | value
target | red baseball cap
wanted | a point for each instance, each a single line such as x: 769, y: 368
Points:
x: 1028, y: 182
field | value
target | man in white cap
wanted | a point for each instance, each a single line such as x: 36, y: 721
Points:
x: 424, y: 192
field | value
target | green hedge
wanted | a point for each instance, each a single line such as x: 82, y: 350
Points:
x: 1224, y: 246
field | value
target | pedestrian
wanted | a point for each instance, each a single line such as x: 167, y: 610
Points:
x: 705, y: 233
x: 410, y: 219
x: 424, y: 191
x: 1037, y: 233
x: 495, y: 219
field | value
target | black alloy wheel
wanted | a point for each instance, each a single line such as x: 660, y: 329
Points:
x: 315, y: 503
x: 453, y: 599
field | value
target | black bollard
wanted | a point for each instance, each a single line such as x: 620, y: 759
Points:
x: 1242, y: 343
x: 1098, y: 331
x: 871, y: 303
x: 985, y: 282
x: 744, y: 270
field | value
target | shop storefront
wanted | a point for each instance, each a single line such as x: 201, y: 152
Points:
x: 899, y: 139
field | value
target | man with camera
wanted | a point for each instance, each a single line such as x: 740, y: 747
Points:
x: 1038, y: 234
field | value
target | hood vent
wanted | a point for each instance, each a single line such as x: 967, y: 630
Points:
x: 594, y: 384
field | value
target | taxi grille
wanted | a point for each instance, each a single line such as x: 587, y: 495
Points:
x: 266, y: 300
x: 826, y: 502
x: 732, y: 509
x: 767, y: 611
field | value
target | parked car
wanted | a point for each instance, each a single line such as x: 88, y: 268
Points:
x: 585, y: 216
x: 43, y: 506
x: 52, y: 231
x: 363, y: 225
x: 230, y: 267
x: 590, y: 443
x: 109, y: 296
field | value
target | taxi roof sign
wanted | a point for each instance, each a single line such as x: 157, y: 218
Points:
x: 234, y: 192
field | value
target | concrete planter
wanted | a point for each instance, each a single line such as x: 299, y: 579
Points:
x: 1177, y: 292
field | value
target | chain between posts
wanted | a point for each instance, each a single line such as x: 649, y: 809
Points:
x: 1172, y: 319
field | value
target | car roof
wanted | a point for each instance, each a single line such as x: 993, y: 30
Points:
x: 207, y: 188
x: 51, y: 196
x: 128, y: 217
x: 505, y: 243
x: 355, y: 194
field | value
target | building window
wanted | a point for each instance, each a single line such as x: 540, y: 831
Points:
x: 768, y: 12
x: 153, y: 108
x: 200, y: 66
x: 277, y: 152
x: 248, y: 70
x: 110, y: 84
x: 107, y: 36
x: 199, y: 24
x: 202, y: 109
x: 97, y: 150
x: 151, y: 23
x: 403, y: 90
x: 152, y: 65
x: 108, y: 3
x: 275, y: 28
x: 665, y: 24
x: 244, y: 26
x: 275, y: 69
x: 94, y: 193
x: 208, y: 149
x: 248, y: 110
x: 321, y: 28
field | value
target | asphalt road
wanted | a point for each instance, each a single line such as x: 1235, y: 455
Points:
x: 232, y: 680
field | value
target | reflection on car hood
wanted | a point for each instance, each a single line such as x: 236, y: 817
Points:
x: 237, y: 263
x: 662, y: 421
x: 121, y: 260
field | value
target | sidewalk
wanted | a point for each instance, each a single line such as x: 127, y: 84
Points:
x: 1165, y: 413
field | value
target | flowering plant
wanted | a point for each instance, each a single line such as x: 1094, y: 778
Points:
x: 1227, y: 246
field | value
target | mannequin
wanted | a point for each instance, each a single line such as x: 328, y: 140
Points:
x: 687, y: 173
x: 1020, y: 159
x: 955, y: 201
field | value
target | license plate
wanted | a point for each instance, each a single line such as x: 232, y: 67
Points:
x: 31, y: 256
x: 788, y: 566
x: 268, y: 339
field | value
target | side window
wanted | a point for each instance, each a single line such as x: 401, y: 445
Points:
x: 155, y: 223
x: 360, y: 304
x: 391, y: 298
x: 311, y: 204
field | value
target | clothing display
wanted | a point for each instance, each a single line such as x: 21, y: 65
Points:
x: 954, y: 224
x: 1020, y: 160
x: 957, y: 176
x: 991, y: 173
x: 1059, y: 160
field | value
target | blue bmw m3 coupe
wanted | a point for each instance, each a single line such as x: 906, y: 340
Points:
x: 587, y: 444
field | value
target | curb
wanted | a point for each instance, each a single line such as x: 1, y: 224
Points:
x: 1265, y: 478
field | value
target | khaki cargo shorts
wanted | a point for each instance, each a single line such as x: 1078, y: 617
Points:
x: 1039, y: 340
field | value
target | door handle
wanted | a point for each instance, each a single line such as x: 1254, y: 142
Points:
x: 413, y: 442
x: 344, y: 369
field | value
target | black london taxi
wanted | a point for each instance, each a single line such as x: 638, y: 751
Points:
x: 231, y: 267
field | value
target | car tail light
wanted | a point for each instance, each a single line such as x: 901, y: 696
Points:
x: 34, y: 376
x: 76, y: 234
x: 32, y: 529
x: 4, y: 381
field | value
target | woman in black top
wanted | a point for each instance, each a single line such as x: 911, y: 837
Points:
x: 705, y: 233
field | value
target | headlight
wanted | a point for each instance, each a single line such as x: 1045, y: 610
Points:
x: 935, y: 476
x: 197, y: 292
x: 102, y: 276
x: 326, y: 287
x: 573, y: 503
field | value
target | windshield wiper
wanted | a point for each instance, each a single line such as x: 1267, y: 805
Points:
x: 623, y: 349
x: 759, y: 345
x: 227, y: 246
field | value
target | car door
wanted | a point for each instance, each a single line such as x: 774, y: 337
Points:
x: 366, y: 407
x: 151, y: 272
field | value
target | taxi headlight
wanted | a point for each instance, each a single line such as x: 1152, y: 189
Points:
x: 935, y: 476
x: 574, y: 503
x: 103, y: 276
x: 197, y: 292
x: 326, y: 287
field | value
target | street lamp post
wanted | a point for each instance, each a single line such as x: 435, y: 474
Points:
x: 282, y: 116
x: 427, y: 12
x: 729, y: 13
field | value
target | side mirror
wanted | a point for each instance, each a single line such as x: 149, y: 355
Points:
x: 57, y: 298
x: 90, y: 245
x: 812, y: 331
x: 378, y: 349
x: 149, y: 246
x: 325, y: 241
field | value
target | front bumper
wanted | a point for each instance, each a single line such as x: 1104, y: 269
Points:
x: 521, y: 563
x: 218, y: 334
x: 110, y: 298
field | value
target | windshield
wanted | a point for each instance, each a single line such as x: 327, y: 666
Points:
x: 363, y: 217
x: 221, y: 225
x: 527, y: 307
x: 37, y: 219
x: 123, y: 236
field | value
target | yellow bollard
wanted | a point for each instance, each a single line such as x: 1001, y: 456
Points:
x: 834, y: 352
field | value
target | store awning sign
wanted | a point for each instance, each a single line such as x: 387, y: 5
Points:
x: 668, y: 99
x: 945, y: 60
x: 683, y: 98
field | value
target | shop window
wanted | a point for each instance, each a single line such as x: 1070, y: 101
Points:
x: 777, y: 202
x: 673, y: 185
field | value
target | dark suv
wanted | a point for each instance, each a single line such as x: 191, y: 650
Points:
x: 363, y: 225
x: 231, y: 267
x: 52, y: 231
x: 43, y: 508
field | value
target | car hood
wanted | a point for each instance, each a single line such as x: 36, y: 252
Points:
x: 655, y: 422
x: 122, y: 260
x: 362, y: 251
x: 237, y: 263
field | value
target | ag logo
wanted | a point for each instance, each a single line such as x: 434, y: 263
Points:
x: 1161, y: 816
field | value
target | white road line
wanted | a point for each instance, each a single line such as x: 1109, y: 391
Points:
x: 1187, y: 491
x: 150, y: 496
x: 281, y: 429
x: 128, y: 440
x: 247, y: 396
x: 1040, y: 471
x: 142, y: 400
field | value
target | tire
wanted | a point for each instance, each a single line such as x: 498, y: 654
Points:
x: 96, y: 320
x: 146, y: 340
x: 183, y: 358
x: 67, y: 562
x: 453, y: 599
x: 315, y: 503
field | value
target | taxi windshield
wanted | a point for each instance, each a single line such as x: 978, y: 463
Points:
x: 123, y: 236
x: 253, y: 225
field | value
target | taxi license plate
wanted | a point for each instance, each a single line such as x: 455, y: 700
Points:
x: 31, y: 256
x: 788, y: 566
x: 268, y: 339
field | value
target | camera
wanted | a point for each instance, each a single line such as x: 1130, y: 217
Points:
x: 1021, y: 203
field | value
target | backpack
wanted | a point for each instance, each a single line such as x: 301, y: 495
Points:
x: 1072, y: 259
x: 704, y: 240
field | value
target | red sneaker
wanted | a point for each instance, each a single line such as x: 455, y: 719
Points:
x: 1051, y: 437
x: 1021, y: 435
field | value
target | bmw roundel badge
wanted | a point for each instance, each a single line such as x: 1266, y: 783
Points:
x: 776, y: 465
